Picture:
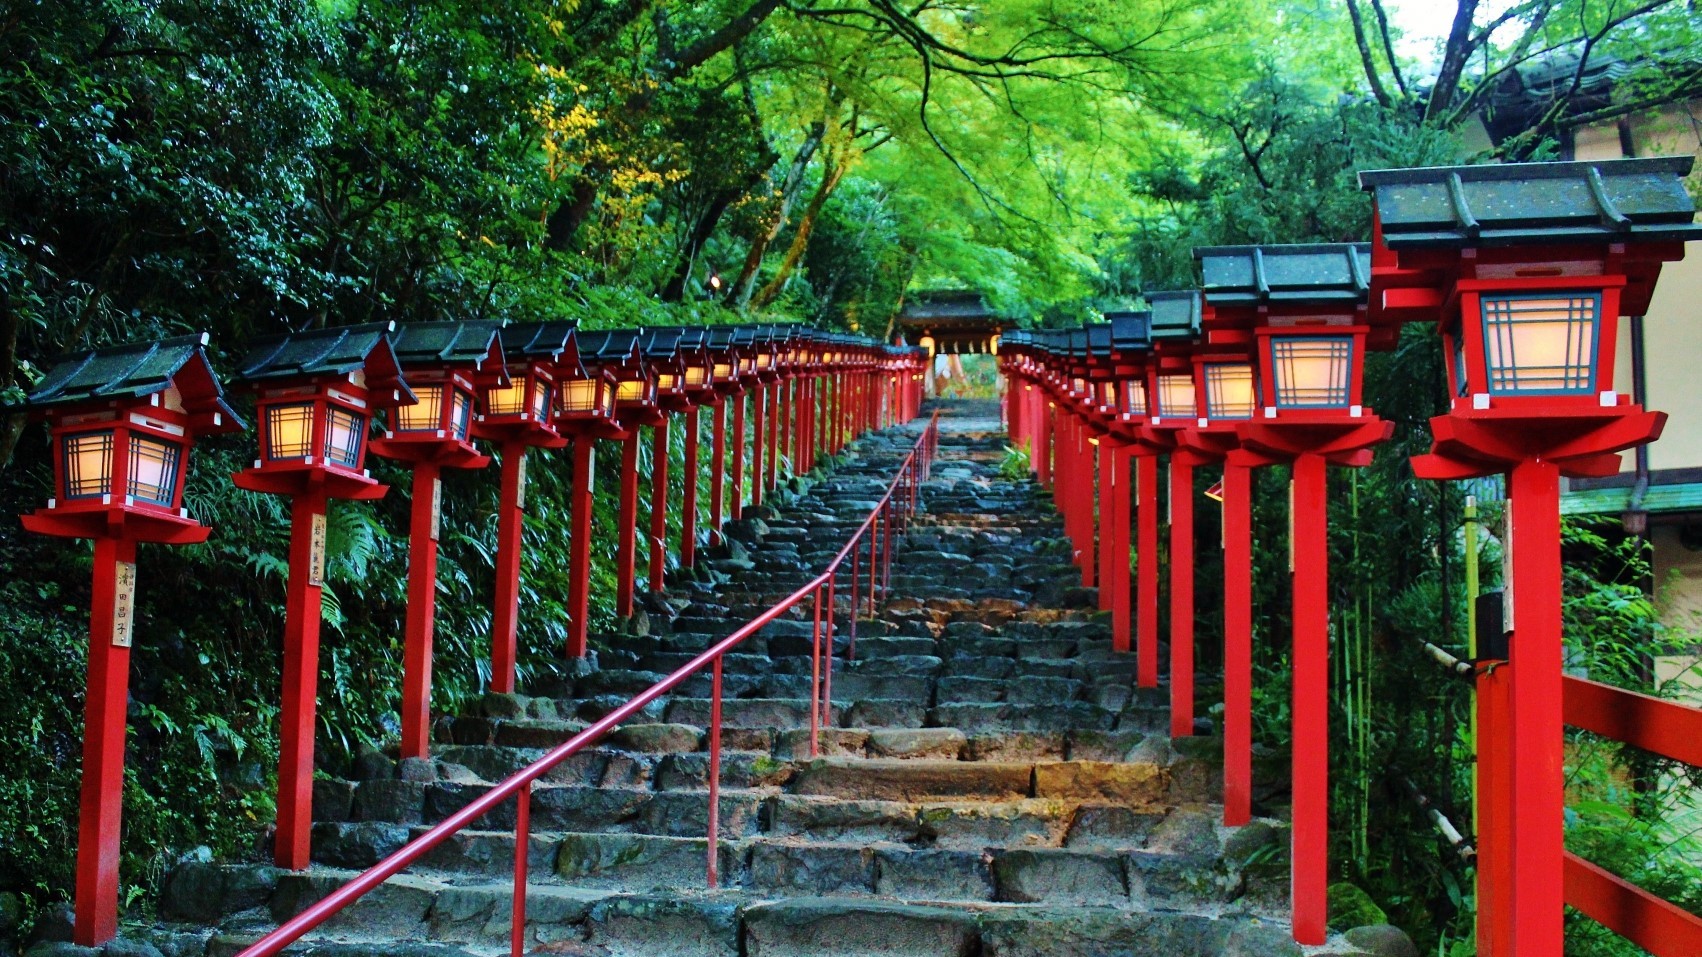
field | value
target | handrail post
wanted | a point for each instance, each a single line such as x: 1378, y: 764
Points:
x: 522, y: 855
x: 815, y: 676
x: 874, y: 537
x: 715, y: 777
x: 827, y: 669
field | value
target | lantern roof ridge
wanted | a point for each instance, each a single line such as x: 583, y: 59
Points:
x: 612, y: 346
x: 545, y: 339
x: 1291, y: 273
x: 1175, y: 313
x: 324, y: 351
x: 474, y: 342
x: 136, y: 370
x: 1604, y: 201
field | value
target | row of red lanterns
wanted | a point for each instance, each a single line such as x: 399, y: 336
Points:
x: 123, y: 420
x: 1525, y: 269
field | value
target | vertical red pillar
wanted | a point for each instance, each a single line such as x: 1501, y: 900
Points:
x: 1043, y: 445
x: 423, y: 528
x: 788, y: 406
x: 1311, y: 773
x: 759, y: 414
x: 1237, y: 644
x: 1084, y: 505
x: 579, y: 555
x: 1108, y: 459
x: 292, y: 845
x: 1536, y: 898
x: 626, y: 537
x: 1181, y: 595
x: 101, y: 800
x: 688, y: 504
x: 659, y: 507
x: 505, y: 611
x: 1494, y: 815
x: 717, y: 466
x: 776, y: 415
x: 1146, y: 572
x: 737, y: 477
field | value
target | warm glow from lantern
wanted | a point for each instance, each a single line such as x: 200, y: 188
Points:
x: 630, y: 390
x: 1229, y: 390
x: 1108, y: 395
x: 88, y: 464
x: 1134, y: 397
x: 579, y: 395
x: 723, y: 370
x: 153, y: 470
x: 289, y: 431
x: 1176, y: 396
x: 424, y: 416
x: 507, y: 401
x: 697, y: 375
x: 1311, y: 372
x: 667, y: 383
x: 1541, y: 344
x: 461, y: 418
x: 927, y: 342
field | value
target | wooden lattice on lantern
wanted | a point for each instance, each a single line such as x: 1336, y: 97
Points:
x: 447, y: 364
x: 541, y: 358
x: 1171, y: 400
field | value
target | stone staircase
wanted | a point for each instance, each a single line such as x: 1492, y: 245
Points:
x: 990, y: 781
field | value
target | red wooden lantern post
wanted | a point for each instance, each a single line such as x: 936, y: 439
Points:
x: 1527, y: 269
x: 744, y: 376
x: 446, y: 363
x: 1131, y: 338
x: 122, y: 420
x: 1174, y: 406
x: 586, y: 413
x: 635, y: 406
x: 518, y: 416
x: 727, y: 361
x: 317, y: 393
x: 666, y: 350
x: 1304, y: 307
x: 695, y: 388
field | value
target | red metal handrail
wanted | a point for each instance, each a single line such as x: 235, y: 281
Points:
x: 1663, y: 727
x: 901, y: 493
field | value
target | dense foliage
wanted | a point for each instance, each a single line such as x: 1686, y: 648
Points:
x: 244, y: 166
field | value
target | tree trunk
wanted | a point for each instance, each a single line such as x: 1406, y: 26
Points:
x: 675, y: 291
x: 833, y: 171
x: 564, y: 223
x: 1455, y: 55
x: 745, y: 285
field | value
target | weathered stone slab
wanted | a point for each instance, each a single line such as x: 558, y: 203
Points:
x: 830, y: 928
x: 831, y: 819
x: 1059, y: 876
x: 916, y: 743
x: 933, y: 874
x: 912, y: 780
x: 823, y: 869
x: 1102, y: 781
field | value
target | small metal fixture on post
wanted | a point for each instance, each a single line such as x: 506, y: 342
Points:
x: 122, y: 422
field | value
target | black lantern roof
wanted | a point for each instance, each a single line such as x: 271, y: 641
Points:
x: 336, y: 351
x: 1607, y: 201
x: 136, y: 370
x: 611, y: 347
x: 1175, y: 314
x: 722, y: 338
x: 1303, y: 273
x: 473, y: 342
x: 1131, y: 329
x: 556, y: 342
x: 1098, y: 340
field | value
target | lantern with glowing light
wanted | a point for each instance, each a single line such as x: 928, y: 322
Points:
x: 318, y: 391
x: 447, y: 364
x: 1527, y: 268
x: 122, y: 421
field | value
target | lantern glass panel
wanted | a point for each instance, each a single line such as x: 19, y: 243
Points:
x: 345, y: 433
x: 1134, y: 397
x: 461, y: 418
x: 153, y: 469
x: 1078, y: 386
x: 723, y: 370
x: 507, y: 401
x: 1312, y: 372
x: 579, y: 395
x: 289, y: 431
x: 540, y: 399
x: 1542, y: 344
x: 88, y: 464
x: 697, y: 375
x: 1229, y: 390
x: 667, y: 382
x: 1176, y: 396
x: 631, y: 390
x: 425, y: 415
